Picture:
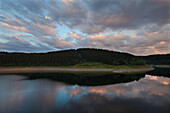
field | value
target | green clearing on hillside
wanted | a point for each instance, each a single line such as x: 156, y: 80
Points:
x: 90, y: 65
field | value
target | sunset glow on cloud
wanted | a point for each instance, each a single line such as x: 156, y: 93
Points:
x: 140, y: 27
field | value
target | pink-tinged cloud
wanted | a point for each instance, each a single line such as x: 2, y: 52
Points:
x: 18, y: 35
x: 18, y: 39
x: 106, y: 37
x: 61, y: 43
x: 56, y: 42
x: 96, y: 37
x: 67, y: 1
x: 44, y: 29
x: 162, y: 42
x: 47, y: 17
x: 17, y: 28
x: 75, y: 35
x: 145, y: 29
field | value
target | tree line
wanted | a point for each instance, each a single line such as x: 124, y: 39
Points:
x: 163, y: 59
x: 69, y: 58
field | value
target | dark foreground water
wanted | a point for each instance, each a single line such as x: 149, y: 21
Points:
x: 21, y: 94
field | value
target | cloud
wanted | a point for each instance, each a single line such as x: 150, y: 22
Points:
x: 47, y: 17
x: 131, y: 96
x: 67, y: 1
x: 58, y: 42
x: 19, y: 44
x: 17, y: 28
x: 96, y: 16
x: 131, y: 26
x: 44, y: 29
x: 143, y: 44
x: 162, y: 42
x: 75, y: 35
x: 61, y: 43
x: 115, y: 14
x: 18, y: 35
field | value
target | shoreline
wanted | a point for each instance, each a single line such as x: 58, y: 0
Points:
x: 15, y: 70
x: 161, y: 66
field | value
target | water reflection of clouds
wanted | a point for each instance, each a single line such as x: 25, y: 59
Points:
x: 150, y: 85
x: 150, y: 91
x: 75, y: 92
x: 144, y: 89
x: 161, y: 80
x: 150, y: 94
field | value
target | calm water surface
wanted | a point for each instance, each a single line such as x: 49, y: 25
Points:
x: 150, y: 94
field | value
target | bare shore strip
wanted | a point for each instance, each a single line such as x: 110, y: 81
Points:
x: 14, y: 70
x: 161, y: 66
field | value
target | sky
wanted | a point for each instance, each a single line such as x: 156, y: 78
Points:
x: 139, y: 27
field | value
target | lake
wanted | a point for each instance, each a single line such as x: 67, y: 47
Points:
x: 39, y: 93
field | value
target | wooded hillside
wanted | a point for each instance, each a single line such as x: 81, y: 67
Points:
x: 69, y: 57
x: 157, y: 59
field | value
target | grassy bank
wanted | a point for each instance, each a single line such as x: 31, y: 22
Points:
x: 92, y: 65
x: 85, y: 67
x: 104, y: 66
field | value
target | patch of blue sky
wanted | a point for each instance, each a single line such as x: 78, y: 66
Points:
x: 79, y: 32
x: 62, y: 30
x: 124, y: 32
x: 34, y: 40
x: 112, y: 32
x: 109, y: 32
x: 130, y: 32
x: 59, y: 2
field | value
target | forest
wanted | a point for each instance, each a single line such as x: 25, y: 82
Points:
x: 163, y: 59
x: 69, y: 58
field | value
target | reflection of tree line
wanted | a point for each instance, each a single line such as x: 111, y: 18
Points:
x: 160, y: 72
x: 94, y: 79
x: 87, y: 79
